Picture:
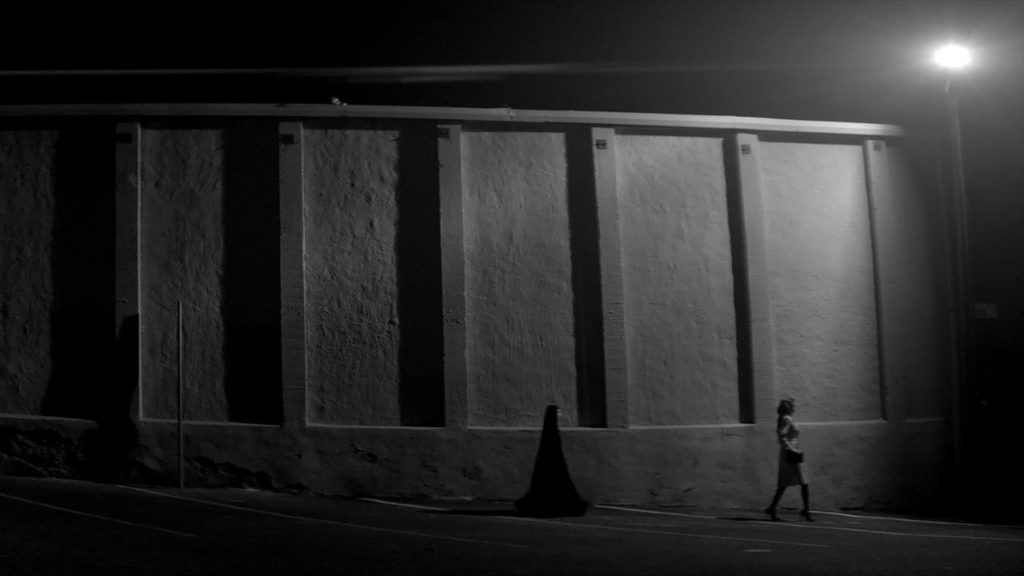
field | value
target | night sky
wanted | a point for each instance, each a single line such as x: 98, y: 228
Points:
x: 863, y: 61
x: 855, y: 60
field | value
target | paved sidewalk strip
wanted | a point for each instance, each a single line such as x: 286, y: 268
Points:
x: 323, y: 521
x: 95, y: 516
x: 818, y: 526
x: 616, y: 528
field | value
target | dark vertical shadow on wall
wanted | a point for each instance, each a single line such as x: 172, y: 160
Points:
x: 741, y: 284
x: 82, y: 270
x: 584, y: 236
x: 251, y: 283
x: 418, y: 254
x: 116, y: 435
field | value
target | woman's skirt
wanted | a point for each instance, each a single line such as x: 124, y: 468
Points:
x: 790, y: 474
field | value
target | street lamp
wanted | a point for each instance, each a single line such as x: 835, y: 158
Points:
x: 953, y: 59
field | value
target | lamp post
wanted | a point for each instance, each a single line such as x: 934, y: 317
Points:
x: 954, y: 59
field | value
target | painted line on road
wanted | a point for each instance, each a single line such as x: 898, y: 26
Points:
x: 404, y: 505
x: 663, y: 532
x: 96, y: 516
x: 917, y: 521
x: 325, y: 521
x: 658, y: 512
x: 839, y: 528
x: 890, y: 533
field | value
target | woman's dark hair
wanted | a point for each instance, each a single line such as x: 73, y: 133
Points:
x: 785, y: 407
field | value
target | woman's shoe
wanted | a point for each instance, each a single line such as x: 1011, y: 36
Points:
x: 771, y: 514
x: 807, y: 515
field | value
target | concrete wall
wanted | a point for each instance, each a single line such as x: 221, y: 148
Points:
x: 663, y: 285
x: 182, y: 259
x: 56, y: 267
x: 519, y: 307
x: 677, y: 276
x: 911, y: 218
x: 207, y: 209
x: 820, y: 262
x: 372, y: 277
x: 27, y: 159
x: 351, y: 286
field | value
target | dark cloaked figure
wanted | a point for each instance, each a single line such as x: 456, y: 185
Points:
x: 551, y: 492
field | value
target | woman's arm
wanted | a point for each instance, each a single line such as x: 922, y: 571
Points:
x: 785, y: 425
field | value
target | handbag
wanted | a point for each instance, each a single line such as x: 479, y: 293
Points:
x: 794, y: 457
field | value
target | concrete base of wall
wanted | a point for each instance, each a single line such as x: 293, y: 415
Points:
x: 873, y: 465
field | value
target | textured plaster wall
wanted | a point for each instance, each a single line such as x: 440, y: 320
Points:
x: 677, y: 279
x: 209, y: 232
x: 182, y: 258
x: 27, y: 161
x: 920, y: 377
x: 352, y: 326
x: 209, y: 237
x: 56, y: 270
x: 821, y: 281
x: 519, y: 304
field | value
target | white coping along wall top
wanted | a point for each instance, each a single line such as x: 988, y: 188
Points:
x: 462, y: 114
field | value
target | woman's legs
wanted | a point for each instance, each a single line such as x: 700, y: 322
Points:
x: 775, y: 502
x: 805, y: 493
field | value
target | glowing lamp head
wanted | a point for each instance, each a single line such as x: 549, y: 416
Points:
x: 952, y: 57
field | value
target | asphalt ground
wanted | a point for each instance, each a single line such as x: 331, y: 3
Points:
x: 81, y: 528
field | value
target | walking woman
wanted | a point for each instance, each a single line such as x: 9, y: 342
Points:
x: 791, y: 460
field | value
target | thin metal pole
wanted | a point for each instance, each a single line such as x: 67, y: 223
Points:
x: 181, y: 435
x: 962, y: 383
